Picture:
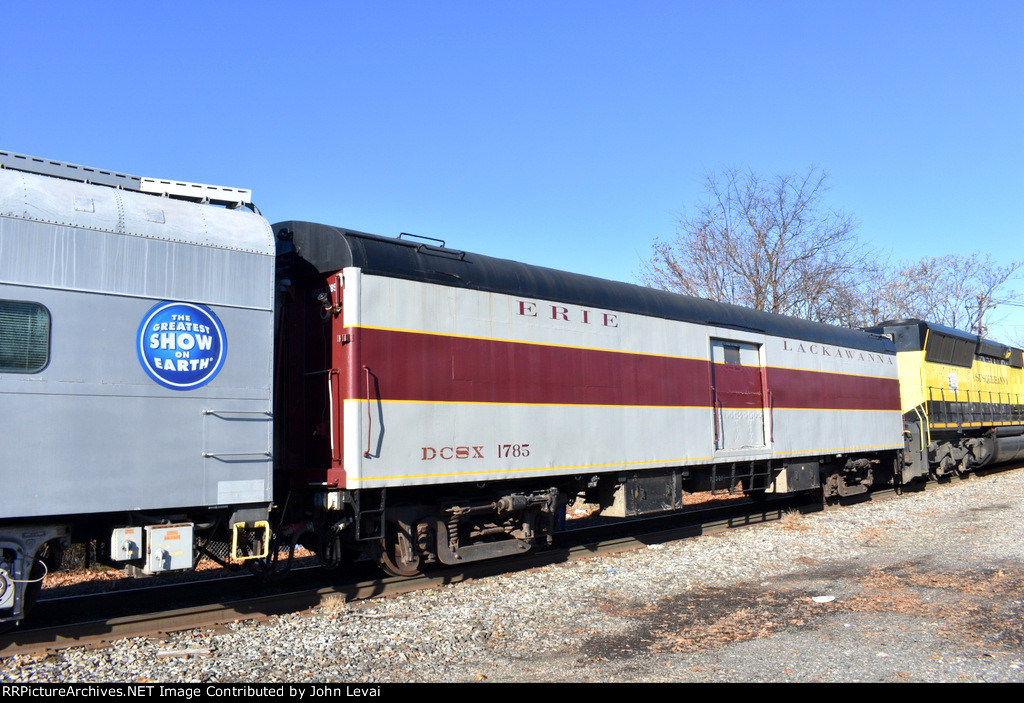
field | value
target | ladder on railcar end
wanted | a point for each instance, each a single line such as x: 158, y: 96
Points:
x: 369, y: 519
x: 742, y: 476
x: 235, y: 198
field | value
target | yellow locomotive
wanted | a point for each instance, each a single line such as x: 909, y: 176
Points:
x: 962, y: 398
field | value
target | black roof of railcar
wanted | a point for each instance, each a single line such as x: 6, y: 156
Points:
x: 329, y: 249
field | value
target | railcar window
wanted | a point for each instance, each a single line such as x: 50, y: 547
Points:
x: 24, y: 336
x: 732, y: 354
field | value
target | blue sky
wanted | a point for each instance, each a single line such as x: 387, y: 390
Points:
x: 561, y: 133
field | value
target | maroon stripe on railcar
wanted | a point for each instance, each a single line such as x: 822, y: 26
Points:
x: 800, y: 390
x: 409, y: 366
x: 426, y: 367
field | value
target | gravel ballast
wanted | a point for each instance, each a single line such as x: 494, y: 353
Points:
x: 926, y: 587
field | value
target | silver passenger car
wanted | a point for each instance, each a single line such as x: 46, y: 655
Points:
x: 136, y: 340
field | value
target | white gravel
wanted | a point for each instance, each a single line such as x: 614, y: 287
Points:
x: 926, y: 587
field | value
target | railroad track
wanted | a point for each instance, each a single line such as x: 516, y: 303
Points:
x: 97, y: 619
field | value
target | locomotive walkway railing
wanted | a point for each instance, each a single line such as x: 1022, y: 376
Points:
x: 973, y: 408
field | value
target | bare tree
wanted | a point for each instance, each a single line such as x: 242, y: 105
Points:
x: 765, y: 243
x: 956, y: 291
x: 771, y: 243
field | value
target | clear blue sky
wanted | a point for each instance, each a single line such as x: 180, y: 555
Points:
x: 563, y: 133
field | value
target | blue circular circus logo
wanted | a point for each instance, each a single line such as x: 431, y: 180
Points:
x: 181, y: 346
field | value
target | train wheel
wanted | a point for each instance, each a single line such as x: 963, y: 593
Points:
x: 397, y: 555
x: 33, y: 588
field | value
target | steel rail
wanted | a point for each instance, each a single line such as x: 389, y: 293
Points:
x: 570, y: 545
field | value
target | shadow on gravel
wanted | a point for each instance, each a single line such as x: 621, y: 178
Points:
x: 982, y: 608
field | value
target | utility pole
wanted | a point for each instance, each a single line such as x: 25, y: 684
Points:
x: 982, y: 300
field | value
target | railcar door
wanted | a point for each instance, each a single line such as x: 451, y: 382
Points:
x: 737, y: 393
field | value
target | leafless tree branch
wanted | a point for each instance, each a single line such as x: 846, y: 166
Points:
x: 765, y: 243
